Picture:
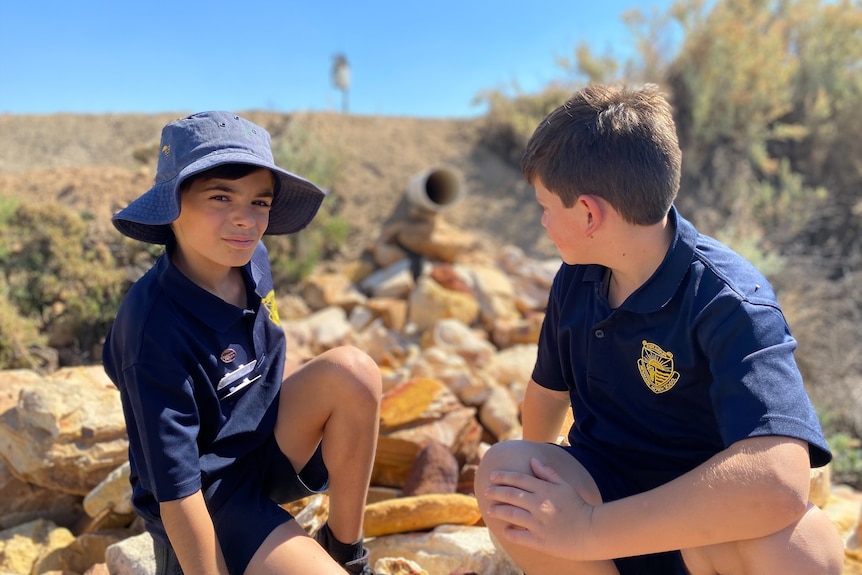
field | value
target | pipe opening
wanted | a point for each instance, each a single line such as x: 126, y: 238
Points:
x: 435, y: 189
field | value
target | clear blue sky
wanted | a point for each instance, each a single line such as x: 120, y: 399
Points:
x: 407, y: 58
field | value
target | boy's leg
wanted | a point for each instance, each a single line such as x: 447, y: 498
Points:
x: 810, y: 546
x: 289, y: 551
x: 334, y: 400
x: 515, y: 456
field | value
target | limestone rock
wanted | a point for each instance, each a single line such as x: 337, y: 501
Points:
x: 515, y: 262
x: 430, y: 302
x: 310, y: 512
x: 397, y: 566
x: 512, y: 368
x: 448, y: 429
x: 419, y: 512
x: 132, y: 556
x: 21, y: 502
x: 455, y: 372
x: 387, y: 347
x: 415, y: 401
x: 507, y: 332
x: 528, y: 295
x: 395, y: 280
x: 446, y: 549
x: 98, y: 569
x: 379, y: 493
x: 499, y: 415
x: 434, y: 238
x: 495, y: 293
x: 12, y: 382
x: 821, y: 485
x: 392, y: 311
x: 456, y: 337
x: 451, y: 278
x: 331, y: 289
x: 114, y: 493
x: 324, y: 329
x: 86, y: 550
x: 22, y: 546
x: 385, y: 254
x: 392, y: 461
x: 67, y: 432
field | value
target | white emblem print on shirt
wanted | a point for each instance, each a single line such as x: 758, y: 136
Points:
x: 235, y: 380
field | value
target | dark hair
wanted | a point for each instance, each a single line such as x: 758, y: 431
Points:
x: 224, y: 172
x: 615, y: 143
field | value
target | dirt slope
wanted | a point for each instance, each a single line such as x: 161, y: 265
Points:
x: 89, y: 162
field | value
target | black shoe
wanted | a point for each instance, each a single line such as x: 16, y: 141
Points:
x: 337, y: 549
x: 359, y: 566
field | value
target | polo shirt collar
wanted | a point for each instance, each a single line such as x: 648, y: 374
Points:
x: 208, y: 308
x: 661, y: 287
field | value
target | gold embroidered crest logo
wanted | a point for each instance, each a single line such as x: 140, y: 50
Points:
x: 269, y: 303
x: 656, y: 367
x: 166, y: 150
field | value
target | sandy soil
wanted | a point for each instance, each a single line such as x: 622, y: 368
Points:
x: 92, y: 163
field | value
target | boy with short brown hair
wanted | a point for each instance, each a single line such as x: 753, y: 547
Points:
x: 693, y: 434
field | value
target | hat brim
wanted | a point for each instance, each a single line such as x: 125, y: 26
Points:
x: 148, y: 217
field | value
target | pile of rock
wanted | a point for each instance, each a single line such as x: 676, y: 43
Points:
x: 454, y: 331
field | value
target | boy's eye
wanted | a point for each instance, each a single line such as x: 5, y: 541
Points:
x: 262, y: 203
x: 220, y: 198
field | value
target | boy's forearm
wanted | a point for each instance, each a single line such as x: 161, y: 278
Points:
x: 192, y: 535
x: 754, y: 488
x: 543, y: 412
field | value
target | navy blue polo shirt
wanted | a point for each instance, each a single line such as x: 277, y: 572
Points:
x: 697, y: 358
x: 199, y: 380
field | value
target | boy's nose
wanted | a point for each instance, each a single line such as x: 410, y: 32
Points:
x: 244, y: 216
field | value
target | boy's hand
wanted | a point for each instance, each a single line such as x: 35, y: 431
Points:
x: 541, y: 511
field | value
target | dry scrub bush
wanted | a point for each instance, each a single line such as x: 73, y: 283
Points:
x: 59, y: 278
x: 510, y: 121
x: 21, y: 344
x: 295, y: 256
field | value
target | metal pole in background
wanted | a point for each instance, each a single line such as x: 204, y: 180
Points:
x: 341, y: 78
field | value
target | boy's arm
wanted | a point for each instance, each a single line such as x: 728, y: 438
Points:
x: 753, y: 488
x: 190, y: 529
x: 542, y: 412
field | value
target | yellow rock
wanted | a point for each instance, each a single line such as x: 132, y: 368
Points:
x: 420, y: 512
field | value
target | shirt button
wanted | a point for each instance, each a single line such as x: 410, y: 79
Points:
x: 600, y: 333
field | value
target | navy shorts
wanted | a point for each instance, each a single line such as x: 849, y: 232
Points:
x: 244, y: 519
x: 616, y: 484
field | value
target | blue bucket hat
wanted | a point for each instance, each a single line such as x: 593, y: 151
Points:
x: 202, y: 141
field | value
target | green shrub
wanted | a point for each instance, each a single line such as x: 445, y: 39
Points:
x: 847, y: 459
x: 295, y: 256
x: 512, y: 119
x: 846, y: 450
x: 21, y: 344
x: 58, y: 277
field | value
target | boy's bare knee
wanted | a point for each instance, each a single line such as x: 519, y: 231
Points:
x: 513, y: 455
x: 356, y: 372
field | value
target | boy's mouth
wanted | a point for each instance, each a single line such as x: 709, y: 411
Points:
x: 241, y: 242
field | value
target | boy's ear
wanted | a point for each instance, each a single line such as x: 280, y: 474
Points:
x: 593, y: 208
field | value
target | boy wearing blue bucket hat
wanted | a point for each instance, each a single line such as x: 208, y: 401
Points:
x: 218, y: 437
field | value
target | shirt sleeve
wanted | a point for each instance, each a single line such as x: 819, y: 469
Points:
x: 757, y: 387
x: 548, y: 371
x: 163, y: 423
